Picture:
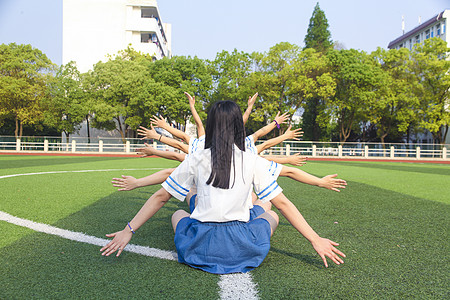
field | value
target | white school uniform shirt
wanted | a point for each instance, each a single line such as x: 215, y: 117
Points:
x: 249, y: 143
x: 223, y: 205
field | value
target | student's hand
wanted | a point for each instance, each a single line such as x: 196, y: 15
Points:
x: 146, y: 151
x: 293, y: 134
x: 251, y: 100
x: 296, y: 159
x: 326, y: 247
x: 158, y: 121
x: 148, y: 133
x: 126, y: 183
x: 121, y: 239
x: 191, y: 99
x: 332, y: 183
x: 281, y: 119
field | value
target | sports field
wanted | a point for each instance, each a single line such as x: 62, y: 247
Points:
x: 392, y: 222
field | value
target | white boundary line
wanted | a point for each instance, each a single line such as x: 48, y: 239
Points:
x: 232, y: 286
x: 79, y: 171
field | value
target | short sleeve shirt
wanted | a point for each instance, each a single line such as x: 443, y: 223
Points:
x: 223, y: 205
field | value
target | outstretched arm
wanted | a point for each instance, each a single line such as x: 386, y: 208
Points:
x: 324, y: 247
x: 295, y: 159
x: 268, y: 128
x: 149, y: 150
x: 288, y: 135
x: 152, y: 134
x: 248, y: 111
x: 328, y: 182
x: 122, y: 238
x: 161, y: 123
x: 198, y: 121
x: 128, y: 183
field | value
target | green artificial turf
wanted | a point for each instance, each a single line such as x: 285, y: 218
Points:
x: 392, y: 222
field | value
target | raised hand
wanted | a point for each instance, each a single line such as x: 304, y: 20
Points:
x: 293, y: 134
x: 148, y: 133
x: 332, y: 183
x: 158, y: 121
x: 191, y: 99
x: 251, y: 100
x: 296, y: 159
x: 326, y: 248
x: 146, y: 151
x: 281, y: 119
x: 120, y: 240
x: 126, y: 183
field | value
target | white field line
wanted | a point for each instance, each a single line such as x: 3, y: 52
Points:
x: 232, y: 286
x: 84, y: 238
x: 78, y: 171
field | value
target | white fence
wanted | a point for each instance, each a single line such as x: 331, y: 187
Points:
x: 310, y: 149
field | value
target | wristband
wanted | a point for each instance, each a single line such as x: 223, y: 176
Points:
x: 278, y: 125
x: 131, y: 228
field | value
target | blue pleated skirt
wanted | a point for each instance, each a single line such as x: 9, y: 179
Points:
x: 222, y: 248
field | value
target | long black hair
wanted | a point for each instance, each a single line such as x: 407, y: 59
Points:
x: 224, y: 128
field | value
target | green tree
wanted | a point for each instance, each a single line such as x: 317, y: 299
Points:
x: 67, y: 105
x: 393, y: 108
x: 317, y: 37
x: 24, y: 73
x: 174, y: 76
x: 358, y: 80
x: 431, y: 68
x: 114, y: 85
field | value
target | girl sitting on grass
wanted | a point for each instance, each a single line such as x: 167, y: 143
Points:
x: 218, y: 237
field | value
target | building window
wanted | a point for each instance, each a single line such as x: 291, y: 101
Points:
x: 427, y: 34
x: 438, y: 29
x: 432, y: 32
x: 410, y: 44
x: 417, y: 39
x: 146, y: 38
x: 443, y: 28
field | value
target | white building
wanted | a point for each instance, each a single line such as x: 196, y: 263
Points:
x: 437, y: 26
x: 92, y: 29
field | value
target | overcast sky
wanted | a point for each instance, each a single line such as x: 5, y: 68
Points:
x: 204, y: 27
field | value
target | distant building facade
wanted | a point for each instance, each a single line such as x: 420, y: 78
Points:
x: 437, y: 26
x: 94, y: 28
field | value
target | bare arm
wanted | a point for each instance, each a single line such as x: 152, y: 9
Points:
x: 149, y: 150
x: 328, y: 182
x: 160, y: 122
x: 268, y: 128
x: 128, y: 183
x: 198, y: 121
x: 152, y: 134
x: 295, y: 159
x: 122, y: 238
x: 248, y: 111
x: 324, y: 247
x: 288, y: 135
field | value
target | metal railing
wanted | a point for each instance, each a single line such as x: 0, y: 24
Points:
x: 306, y: 148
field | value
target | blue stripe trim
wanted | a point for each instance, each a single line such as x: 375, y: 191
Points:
x: 276, y: 166
x: 170, y: 177
x: 271, y: 164
x: 267, y: 187
x: 269, y: 193
x: 184, y: 195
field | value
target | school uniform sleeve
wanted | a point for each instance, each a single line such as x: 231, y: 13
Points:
x: 265, y: 179
x: 250, y: 144
x: 181, y: 180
